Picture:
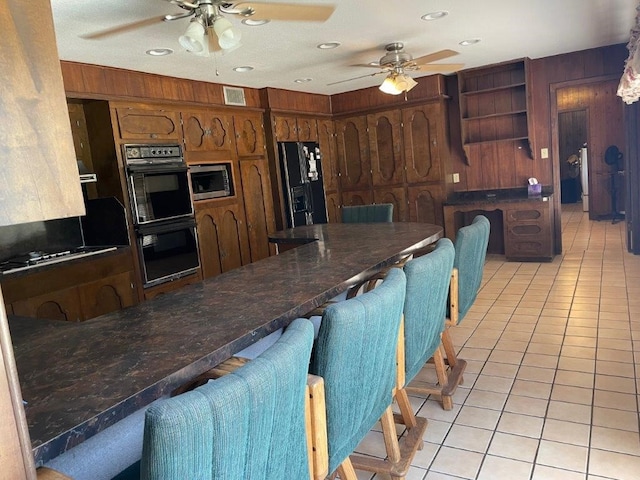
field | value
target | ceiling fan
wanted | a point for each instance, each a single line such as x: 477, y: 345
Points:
x: 396, y: 62
x: 208, y: 21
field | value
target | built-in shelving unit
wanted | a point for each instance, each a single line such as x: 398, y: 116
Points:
x: 494, y: 105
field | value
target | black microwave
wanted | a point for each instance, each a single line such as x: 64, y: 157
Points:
x: 211, y: 181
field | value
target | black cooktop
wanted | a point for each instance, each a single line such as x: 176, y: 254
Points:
x: 38, y: 258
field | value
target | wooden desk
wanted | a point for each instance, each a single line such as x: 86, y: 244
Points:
x: 80, y: 378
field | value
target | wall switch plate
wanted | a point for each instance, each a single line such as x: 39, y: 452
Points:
x: 544, y: 153
x: 456, y: 177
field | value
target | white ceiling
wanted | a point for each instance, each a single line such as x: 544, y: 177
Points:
x: 281, y: 52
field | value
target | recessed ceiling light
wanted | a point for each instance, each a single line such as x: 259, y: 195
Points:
x: 254, y: 23
x: 159, y: 52
x: 244, y: 68
x: 328, y: 45
x: 435, y: 15
x: 302, y: 80
x: 470, y: 41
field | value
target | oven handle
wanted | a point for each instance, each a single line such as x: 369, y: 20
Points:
x: 157, y: 168
x: 152, y: 229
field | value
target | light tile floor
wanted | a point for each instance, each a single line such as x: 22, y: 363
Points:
x: 551, y: 390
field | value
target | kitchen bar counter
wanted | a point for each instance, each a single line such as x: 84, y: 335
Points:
x: 80, y: 378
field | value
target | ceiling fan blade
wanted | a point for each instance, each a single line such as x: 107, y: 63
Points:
x: 212, y: 40
x: 287, y: 11
x: 434, y: 57
x: 355, y: 78
x: 122, y: 28
x: 368, y: 65
x: 440, y: 67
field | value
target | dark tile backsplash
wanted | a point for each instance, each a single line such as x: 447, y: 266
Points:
x: 50, y: 236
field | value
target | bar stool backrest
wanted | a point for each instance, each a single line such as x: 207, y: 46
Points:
x: 249, y: 424
x: 375, y: 213
x: 355, y: 353
x: 471, y: 251
x: 425, y: 305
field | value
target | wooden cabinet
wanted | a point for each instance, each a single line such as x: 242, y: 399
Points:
x: 353, y: 153
x: 222, y: 236
x: 76, y: 291
x: 208, y: 131
x: 295, y: 129
x: 327, y: 142
x: 395, y: 195
x: 334, y: 213
x: 357, y: 197
x: 249, y: 131
x: 522, y: 226
x: 425, y: 204
x: 528, y: 231
x: 385, y: 148
x: 494, y: 105
x: 425, y: 142
x: 137, y: 123
x: 258, y: 205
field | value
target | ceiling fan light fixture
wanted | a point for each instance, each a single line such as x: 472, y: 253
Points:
x: 389, y: 85
x: 228, y: 37
x: 396, y: 83
x: 193, y: 38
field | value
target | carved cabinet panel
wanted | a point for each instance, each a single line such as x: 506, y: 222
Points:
x: 208, y: 131
x: 357, y: 197
x: 353, y: 153
x: 327, y: 142
x: 249, y: 131
x: 333, y: 207
x: 295, y: 129
x: 147, y: 124
x: 222, y: 237
x: 396, y: 196
x: 385, y: 143
x: 258, y: 205
x: 425, y: 204
x: 423, y: 142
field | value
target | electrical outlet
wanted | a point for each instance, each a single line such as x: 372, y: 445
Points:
x: 544, y: 153
x: 456, y: 177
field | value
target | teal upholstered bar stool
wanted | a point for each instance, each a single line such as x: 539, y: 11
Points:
x: 425, y: 309
x: 377, y: 212
x: 471, y: 252
x: 355, y: 353
x: 248, y: 424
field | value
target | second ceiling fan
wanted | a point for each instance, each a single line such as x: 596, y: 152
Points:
x: 396, y: 62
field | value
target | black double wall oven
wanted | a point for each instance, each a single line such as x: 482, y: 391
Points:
x: 162, y: 212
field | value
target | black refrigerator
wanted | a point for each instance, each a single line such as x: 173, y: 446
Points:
x: 303, y: 191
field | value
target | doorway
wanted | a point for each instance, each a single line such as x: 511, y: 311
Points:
x: 572, y: 137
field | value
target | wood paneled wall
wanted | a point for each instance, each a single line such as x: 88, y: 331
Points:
x: 299, y: 102
x: 107, y: 83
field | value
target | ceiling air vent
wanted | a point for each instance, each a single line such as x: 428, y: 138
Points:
x: 234, y: 96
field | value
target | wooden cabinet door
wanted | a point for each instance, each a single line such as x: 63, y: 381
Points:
x: 353, y: 153
x: 222, y: 237
x: 143, y: 124
x: 307, y: 129
x: 425, y: 204
x: 395, y: 195
x: 258, y: 206
x: 58, y: 305
x: 358, y: 197
x: 107, y: 295
x: 329, y: 160
x: 286, y: 128
x: 333, y: 207
x: 385, y: 144
x: 249, y: 130
x: 422, y: 142
x: 208, y: 131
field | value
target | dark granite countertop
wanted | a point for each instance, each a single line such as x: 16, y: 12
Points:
x: 498, y: 195
x: 81, y: 378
